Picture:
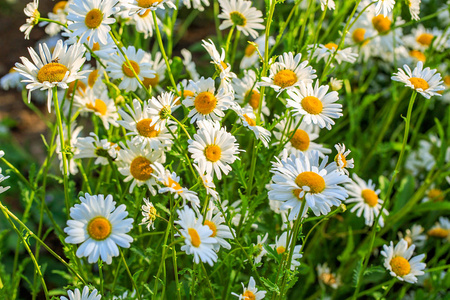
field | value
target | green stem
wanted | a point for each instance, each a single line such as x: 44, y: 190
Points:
x: 138, y: 293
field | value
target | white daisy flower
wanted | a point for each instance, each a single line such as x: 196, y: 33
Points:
x: 99, y: 227
x: 3, y: 188
x: 425, y: 81
x: 414, y: 9
x: 31, y: 11
x: 328, y: 4
x: 366, y: 198
x: 171, y: 183
x: 220, y: 231
x: 315, y: 104
x: 207, y: 179
x: 84, y: 295
x: 49, y: 70
x: 139, y: 122
x: 92, y: 147
x: 288, y: 73
x: 12, y: 80
x: 149, y: 213
x: 189, y: 64
x: 299, y: 178
x: 196, y: 4
x: 100, y: 104
x: 248, y: 119
x: 335, y: 84
x: 206, y: 103
x: 89, y: 20
x: 118, y: 68
x: 218, y: 60
x: 158, y: 65
x: 414, y: 236
x: 434, y: 194
x: 422, y: 38
x: 251, y: 56
x: 324, y: 274
x: 260, y: 250
x: 441, y: 229
x: 161, y: 107
x: 103, y: 51
x: 69, y: 144
x: 399, y: 263
x: 59, y: 14
x: 144, y: 22
x: 341, y: 160
x: 247, y: 91
x: 384, y: 7
x: 328, y: 50
x: 142, y: 6
x: 197, y: 237
x: 135, y: 164
x: 215, y: 147
x: 242, y: 15
x: 250, y: 292
x: 282, y: 246
x: 302, y: 139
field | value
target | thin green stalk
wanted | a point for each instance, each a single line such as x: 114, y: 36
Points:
x: 138, y: 293
x: 209, y: 281
x: 100, y: 272
x: 14, y: 169
x: 227, y: 44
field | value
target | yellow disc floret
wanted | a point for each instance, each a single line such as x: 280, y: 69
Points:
x: 358, y: 35
x: 248, y: 295
x: 382, y: 24
x: 144, y: 128
x: 213, y: 153
x: 93, y: 76
x: 195, y: 238
x: 147, y: 3
x: 249, y: 50
x: 439, y: 232
x: 140, y: 168
x: 281, y: 249
x: 312, y: 105
x: 98, y: 106
x: 425, y: 39
x: 99, y: 228
x: 52, y: 72
x: 285, y: 78
x: 93, y: 18
x: 340, y: 158
x: 400, y: 266
x: 435, y: 195
x: 314, y: 181
x: 212, y: 226
x: 253, y: 99
x: 370, y: 197
x: 238, y: 19
x: 59, y: 6
x: 249, y: 120
x: 175, y: 185
x: 419, y: 83
x: 205, y: 102
x: 331, y: 46
x: 151, y: 81
x: 300, y: 140
x: 127, y: 71
x: 417, y: 55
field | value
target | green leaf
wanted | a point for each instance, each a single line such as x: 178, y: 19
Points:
x: 348, y: 251
x: 270, y: 285
x: 430, y: 206
x: 272, y: 253
x: 383, y: 184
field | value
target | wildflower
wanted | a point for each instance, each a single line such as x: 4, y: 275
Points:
x: 248, y: 118
x: 100, y: 227
x: 189, y: 64
x: 197, y: 237
x: 260, y: 250
x: 247, y: 92
x: 242, y: 15
x: 214, y: 147
x: 331, y: 49
x: 414, y: 236
x: 251, y: 55
x: 92, y: 147
x: 12, y: 80
x: 196, y: 4
x: 69, y: 144
x: 434, y: 194
x: 51, y: 70
x: 84, y: 295
x: 282, y: 246
x: 441, y: 229
x: 206, y: 103
x: 142, y: 6
x: 328, y: 278
x: 299, y: 178
x: 414, y: 9
x: 399, y: 263
x: 59, y: 14
x: 341, y: 159
x: 207, y: 179
x: 366, y: 198
x: 90, y: 21
x: 3, y: 188
x: 335, y: 84
x: 422, y: 38
x: 250, y: 292
x: 288, y: 73
x: 219, y: 60
x: 315, y: 104
x: 384, y: 7
x: 99, y: 103
x: 158, y: 65
x: 31, y: 11
x: 149, y: 213
x: 425, y: 81
x: 160, y: 108
x: 220, y: 231
x: 144, y: 22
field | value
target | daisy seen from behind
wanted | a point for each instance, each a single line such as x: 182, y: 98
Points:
x: 427, y: 82
x: 197, y: 237
x: 31, y: 11
x: 49, y: 70
x: 241, y: 14
x: 399, y: 263
x: 341, y: 160
x: 250, y: 292
x: 213, y: 147
x: 84, y: 295
x: 99, y: 226
x: 366, y: 198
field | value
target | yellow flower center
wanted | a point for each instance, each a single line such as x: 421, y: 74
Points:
x: 93, y: 78
x: 425, y: 39
x: 400, y: 266
x: 436, y: 195
x: 195, y: 238
x: 328, y: 278
x: 438, y: 232
x: 224, y: 65
x: 248, y: 295
x: 140, y: 168
x: 52, y: 72
x: 152, y: 213
x: 99, y: 228
x: 238, y: 19
x: 93, y: 18
x: 151, y: 81
x: 144, y: 128
x: 296, y: 193
x: 212, y: 226
x: 249, y: 120
x: 417, y: 55
x: 145, y: 13
x: 96, y: 46
x: 127, y: 71
x: 253, y: 99
x: 285, y: 78
x: 343, y: 159
x: 382, y: 24
x: 331, y: 46
x: 213, y: 153
x: 358, y: 35
x: 281, y: 249
x: 419, y: 83
x: 314, y: 181
x: 300, y: 140
x: 147, y: 3
x: 205, y: 102
x: 312, y: 105
x: 249, y: 50
x: 59, y: 6
x: 370, y: 197
x: 187, y: 93
x: 447, y: 80
x: 99, y: 106
x: 175, y: 185
x: 80, y: 87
